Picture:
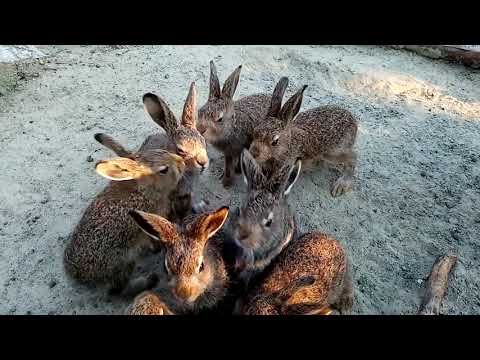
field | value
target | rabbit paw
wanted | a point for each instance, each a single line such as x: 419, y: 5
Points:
x: 342, y: 186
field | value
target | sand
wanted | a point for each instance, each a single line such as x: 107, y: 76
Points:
x: 416, y: 190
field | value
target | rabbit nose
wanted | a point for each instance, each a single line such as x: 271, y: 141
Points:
x: 183, y: 291
x: 254, y: 151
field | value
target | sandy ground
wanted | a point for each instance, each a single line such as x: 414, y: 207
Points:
x: 416, y: 189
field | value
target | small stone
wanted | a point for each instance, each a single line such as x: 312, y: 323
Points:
x: 97, y: 66
x: 423, y: 174
x: 47, y: 139
x: 166, y: 76
x: 31, y: 121
x: 44, y: 200
x: 89, y: 158
x: 32, y: 251
x: 455, y: 234
x: 419, y: 281
x: 52, y: 284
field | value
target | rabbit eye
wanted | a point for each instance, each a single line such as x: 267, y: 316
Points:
x: 220, y: 119
x: 202, y: 266
x: 275, y: 140
x: 181, y: 152
x: 163, y: 169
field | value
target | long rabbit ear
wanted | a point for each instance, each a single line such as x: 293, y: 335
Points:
x: 284, y: 179
x: 189, y: 115
x: 110, y: 143
x: 121, y: 169
x: 307, y: 309
x: 208, y: 225
x: 155, y: 226
x: 277, y: 96
x: 251, y: 171
x: 231, y: 83
x: 291, y: 289
x: 160, y: 113
x: 291, y: 108
x: 214, y: 83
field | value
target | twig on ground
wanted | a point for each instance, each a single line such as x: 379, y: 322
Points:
x: 437, y: 285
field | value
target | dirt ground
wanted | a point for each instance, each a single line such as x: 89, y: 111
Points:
x: 417, y: 182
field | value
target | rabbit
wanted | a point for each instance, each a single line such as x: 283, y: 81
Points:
x: 264, y: 224
x: 148, y: 303
x: 106, y: 243
x: 193, y: 275
x: 228, y: 125
x: 325, y: 133
x: 183, y: 139
x: 311, y: 275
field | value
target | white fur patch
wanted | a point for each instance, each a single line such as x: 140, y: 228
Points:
x: 116, y: 179
x: 287, y: 191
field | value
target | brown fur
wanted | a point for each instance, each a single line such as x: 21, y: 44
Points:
x: 189, y: 284
x: 181, y: 138
x: 148, y: 303
x: 239, y: 119
x: 325, y: 133
x: 106, y: 242
x: 311, y: 273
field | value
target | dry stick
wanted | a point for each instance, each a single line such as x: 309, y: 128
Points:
x: 437, y: 285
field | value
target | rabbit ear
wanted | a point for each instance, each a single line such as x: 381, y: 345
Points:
x: 277, y: 96
x: 160, y: 113
x: 214, y: 83
x: 291, y: 108
x: 231, y: 83
x: 251, y: 171
x: 208, y: 225
x: 121, y: 169
x: 284, y: 179
x: 296, y: 285
x: 155, y: 226
x: 189, y: 115
x: 307, y: 309
x: 108, y: 142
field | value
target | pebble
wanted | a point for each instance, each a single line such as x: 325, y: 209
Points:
x: 89, y: 158
x: 419, y: 281
x: 166, y: 76
x: 423, y: 174
x: 44, y: 200
x: 52, y: 284
x: 455, y: 235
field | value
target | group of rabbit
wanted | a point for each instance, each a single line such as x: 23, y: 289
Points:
x: 246, y: 261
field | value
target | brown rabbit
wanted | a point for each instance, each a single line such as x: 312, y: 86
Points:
x: 325, y: 133
x: 148, y: 303
x: 228, y: 125
x: 194, y: 275
x: 310, y: 276
x: 264, y: 225
x: 183, y: 139
x: 106, y: 242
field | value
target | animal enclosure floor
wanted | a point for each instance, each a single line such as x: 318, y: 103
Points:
x: 417, y: 185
